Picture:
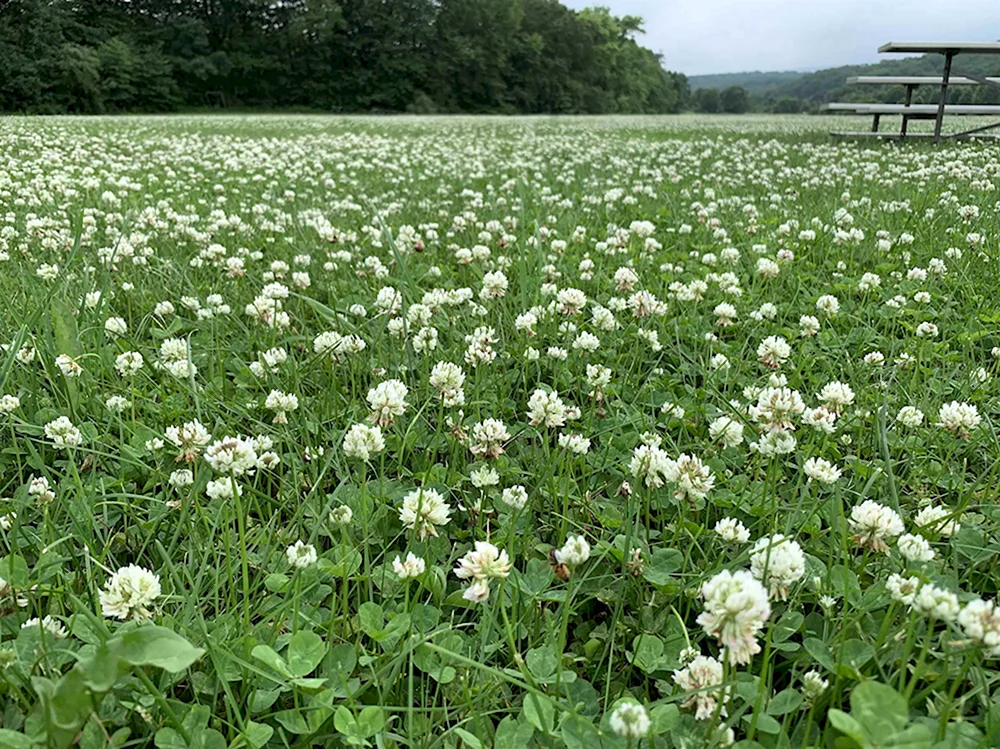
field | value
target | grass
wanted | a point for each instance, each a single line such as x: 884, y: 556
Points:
x: 230, y: 635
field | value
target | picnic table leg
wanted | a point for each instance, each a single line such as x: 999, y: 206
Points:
x: 875, y: 119
x: 906, y: 118
x: 944, y: 95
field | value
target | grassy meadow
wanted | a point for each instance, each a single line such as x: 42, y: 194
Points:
x: 483, y: 432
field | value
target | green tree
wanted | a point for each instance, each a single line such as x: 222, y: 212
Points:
x: 708, y: 100
x: 734, y: 100
x: 350, y: 55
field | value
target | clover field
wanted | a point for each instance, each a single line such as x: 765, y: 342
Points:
x: 458, y: 432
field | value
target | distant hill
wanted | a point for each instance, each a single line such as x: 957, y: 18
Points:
x: 810, y: 89
x: 754, y: 82
x: 830, y: 83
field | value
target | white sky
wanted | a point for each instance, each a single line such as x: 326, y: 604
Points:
x: 730, y: 36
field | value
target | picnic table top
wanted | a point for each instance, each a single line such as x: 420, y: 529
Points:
x: 979, y: 48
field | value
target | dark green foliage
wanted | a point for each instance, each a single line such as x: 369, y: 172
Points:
x: 734, y: 100
x: 707, y: 100
x: 420, y: 56
x: 753, y: 81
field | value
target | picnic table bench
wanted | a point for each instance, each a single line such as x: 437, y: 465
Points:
x: 936, y: 112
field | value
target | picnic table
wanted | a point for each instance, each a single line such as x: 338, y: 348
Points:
x: 936, y: 112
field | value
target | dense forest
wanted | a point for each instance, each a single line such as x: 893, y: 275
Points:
x: 754, y: 81
x: 530, y: 56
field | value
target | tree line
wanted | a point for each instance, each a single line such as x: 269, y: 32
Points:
x: 423, y: 56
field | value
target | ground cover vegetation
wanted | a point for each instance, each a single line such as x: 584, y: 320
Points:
x: 495, y: 433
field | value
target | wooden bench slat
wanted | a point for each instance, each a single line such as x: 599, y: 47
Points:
x: 912, y: 109
x: 888, y: 135
x: 915, y: 80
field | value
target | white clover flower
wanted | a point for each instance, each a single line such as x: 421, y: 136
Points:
x: 699, y: 676
x: 767, y: 268
x: 822, y: 470
x: 9, y: 403
x: 129, y: 593
x: 775, y: 443
x: 575, y: 443
x: 181, y: 478
x: 598, y: 376
x: 778, y: 562
x: 387, y: 400
x: 546, y: 408
x: 652, y: 465
x: 813, y: 686
x: 875, y: 358
x: 777, y: 407
x: 828, y: 304
x: 163, y: 309
x: 301, y: 555
x: 936, y: 602
x: 574, y: 552
x: 526, y: 322
x: 484, y: 477
x: 388, y: 300
x: 910, y: 417
x: 773, y: 351
x: 488, y: 438
x: 362, y: 442
x: 52, y: 627
x: 938, y: 519
x: 424, y: 510
x: 873, y: 523
x: 980, y: 620
x: 68, y: 366
x: 477, y: 592
x: 693, y: 478
x: 341, y: 515
x: 494, y: 285
x: 412, y: 567
x: 736, y: 608
x: 808, y: 326
x: 117, y: 403
x: 630, y: 720
x: 725, y: 314
x: 480, y: 565
x: 515, y: 496
x: 570, y: 301
x: 128, y: 364
x: 915, y: 548
x: 224, y: 488
x: 63, y: 434
x: 672, y: 410
x: 959, y: 418
x: 115, y: 326
x: 586, y: 342
x: 232, y: 455
x: 625, y: 279
x: 836, y: 396
x: 732, y: 531
x: 820, y: 419
x: 38, y: 487
x: 719, y: 362
x: 281, y: 403
x: 902, y: 589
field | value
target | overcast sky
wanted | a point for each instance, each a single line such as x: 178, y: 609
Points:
x: 730, y: 36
